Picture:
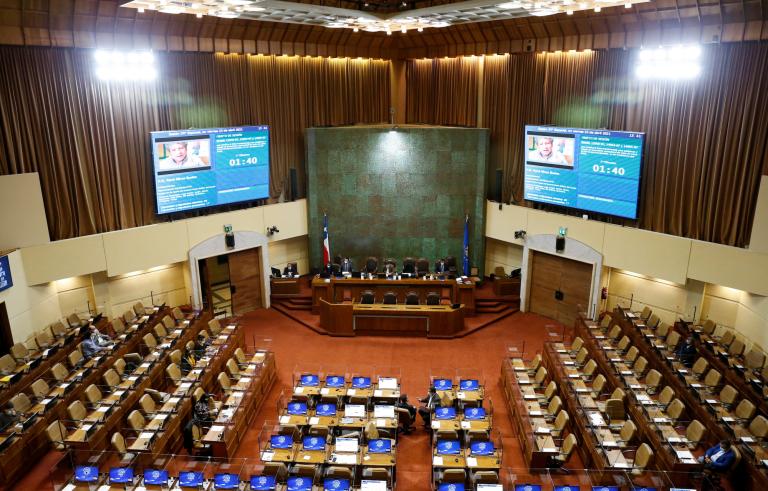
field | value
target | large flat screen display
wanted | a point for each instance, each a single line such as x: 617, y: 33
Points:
x: 210, y: 167
x: 591, y: 170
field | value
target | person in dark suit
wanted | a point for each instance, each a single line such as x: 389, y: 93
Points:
x: 687, y: 352
x: 719, y: 458
x: 402, y: 403
x: 346, y: 265
x: 188, y: 361
x: 430, y: 402
x: 8, y: 417
x: 440, y: 266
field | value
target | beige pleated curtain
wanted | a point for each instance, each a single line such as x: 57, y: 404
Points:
x: 89, y: 139
x: 706, y: 139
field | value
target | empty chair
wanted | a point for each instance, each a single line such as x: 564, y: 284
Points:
x: 534, y: 365
x: 598, y: 384
x: 652, y: 381
x: 759, y: 427
x: 606, y: 320
x: 745, y: 410
x: 631, y: 356
x: 662, y: 331
x: 175, y: 356
x: 541, y: 375
x: 119, y: 367
x: 712, y: 380
x: 653, y: 321
x: 643, y: 458
x: 411, y: 298
x: 615, y: 411
x: 224, y: 382
x: 623, y: 344
x: 177, y: 314
x: 484, y: 477
x: 452, y: 476
x: 560, y: 423
x: 240, y: 356
x: 118, y: 325
x: 93, y: 395
x: 378, y: 474
x: 129, y: 316
x: 147, y: 404
x: 550, y: 391
x: 695, y: 432
x: 628, y: 432
x: 577, y: 344
x: 708, y: 327
x: 136, y: 420
x: 645, y: 313
x: 215, y: 326
x: 19, y: 352
x: 58, y: 329
x: 75, y: 357
x: 77, y: 411
x: 615, y: 332
x: 59, y: 372
x: 367, y: 297
x: 338, y: 472
x: 736, y: 348
x: 566, y: 449
x: 174, y: 373
x: 168, y: 322
x: 675, y: 409
x: 160, y: 331
x: 74, y: 320
x: 31, y: 343
x: 57, y: 433
x: 666, y: 395
x: 44, y: 338
x: 40, y: 388
x: 111, y: 378
x: 728, y: 395
x: 118, y: 444
x: 589, y: 369
x: 699, y: 367
x: 409, y: 265
x: 138, y: 309
x: 727, y: 338
x: 673, y: 339
x: 433, y: 298
x: 640, y: 366
x: 581, y: 356
x: 390, y: 298
x: 554, y: 406
x: 21, y: 403
x: 754, y: 358
x: 233, y: 368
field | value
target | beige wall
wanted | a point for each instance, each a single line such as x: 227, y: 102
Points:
x: 76, y: 295
x: 22, y: 213
x: 30, y: 308
x: 500, y: 253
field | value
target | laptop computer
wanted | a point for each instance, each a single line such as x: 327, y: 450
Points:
x: 361, y: 383
x: 354, y: 411
x: 331, y: 484
x: 156, y: 477
x: 297, y: 408
x: 280, y: 441
x: 448, y: 447
x: 489, y: 487
x: 190, y: 479
x: 445, y: 412
x: 482, y: 448
x: 86, y: 473
x: 474, y: 413
x: 296, y: 483
x: 605, y: 488
x: 334, y: 381
x: 383, y: 411
x: 325, y: 410
x: 314, y: 443
x: 346, y: 444
x: 263, y: 483
x: 120, y: 475
x: 380, y: 445
x: 276, y: 273
x: 442, y: 384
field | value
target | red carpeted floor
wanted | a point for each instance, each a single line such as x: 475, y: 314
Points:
x: 297, y: 346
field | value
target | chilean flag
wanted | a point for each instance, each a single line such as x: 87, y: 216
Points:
x: 326, y: 244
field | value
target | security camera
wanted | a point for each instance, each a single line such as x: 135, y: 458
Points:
x: 273, y: 230
x: 520, y: 234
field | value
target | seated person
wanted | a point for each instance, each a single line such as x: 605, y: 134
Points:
x: 430, y: 402
x: 440, y: 266
x: 346, y: 265
x: 687, y: 352
x: 719, y: 458
x: 201, y: 413
x: 90, y: 348
x: 402, y: 403
x: 188, y: 361
x: 201, y: 343
x: 290, y: 270
x: 8, y: 417
x: 98, y: 338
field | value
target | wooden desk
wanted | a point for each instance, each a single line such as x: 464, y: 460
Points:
x: 434, y: 321
x: 284, y: 286
x: 337, y: 290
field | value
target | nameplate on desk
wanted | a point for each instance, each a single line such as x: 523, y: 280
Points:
x: 676, y: 439
x: 521, y: 369
x: 562, y: 351
x: 222, y: 337
x: 285, y: 419
x: 635, y: 386
x: 542, y: 431
x: 435, y: 425
x: 461, y: 395
x: 471, y: 462
x: 244, y: 381
x: 682, y: 371
x: 267, y: 456
x: 298, y: 390
x: 324, y: 391
x: 713, y: 402
x: 621, y: 465
x: 610, y: 444
x: 661, y: 420
x: 549, y: 450
x: 569, y: 363
x: 378, y: 393
x: 314, y: 420
x: 536, y: 413
x: 626, y: 372
x: 697, y: 386
x: 530, y: 397
x: 599, y: 336
x: 728, y: 419
x: 64, y: 385
x: 747, y: 439
x: 437, y: 460
x: 580, y: 390
x: 465, y: 425
x: 574, y: 375
x: 143, y: 319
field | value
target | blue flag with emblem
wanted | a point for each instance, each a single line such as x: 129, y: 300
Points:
x: 466, y: 245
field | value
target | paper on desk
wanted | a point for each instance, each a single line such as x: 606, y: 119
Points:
x: 346, y: 458
x: 223, y: 337
x: 314, y: 420
x: 145, y: 365
x: 174, y: 400
x: 324, y: 391
x: 684, y: 454
x: 535, y: 413
x: 435, y: 425
x: 622, y: 465
x: 351, y: 392
x: 465, y: 425
x: 285, y: 419
x: 541, y: 429
x: 267, y: 456
x: 146, y: 435
x: 298, y: 390
x: 471, y: 462
x: 69, y: 487
x: 460, y: 394
x: 46, y: 400
x: 747, y: 439
x: 381, y: 422
x: 610, y: 443
x: 217, y: 428
x: 530, y: 397
x: 437, y: 460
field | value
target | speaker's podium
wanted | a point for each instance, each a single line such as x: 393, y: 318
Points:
x: 352, y: 319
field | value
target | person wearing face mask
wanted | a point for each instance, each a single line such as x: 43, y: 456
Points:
x: 687, y: 352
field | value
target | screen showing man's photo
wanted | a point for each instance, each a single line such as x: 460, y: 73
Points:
x: 183, y: 155
x: 550, y: 150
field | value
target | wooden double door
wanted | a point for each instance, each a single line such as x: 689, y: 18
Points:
x: 238, y: 272
x: 559, y: 287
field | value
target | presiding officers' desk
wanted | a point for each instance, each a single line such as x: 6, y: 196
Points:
x: 434, y: 321
x: 336, y: 290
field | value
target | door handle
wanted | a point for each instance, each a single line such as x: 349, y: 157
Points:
x: 558, y: 295
x: 232, y: 289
